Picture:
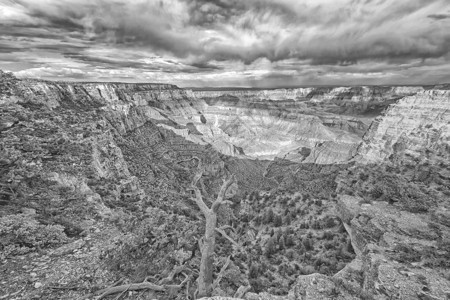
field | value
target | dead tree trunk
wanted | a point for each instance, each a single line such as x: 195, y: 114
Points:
x: 207, y: 247
x: 205, y: 278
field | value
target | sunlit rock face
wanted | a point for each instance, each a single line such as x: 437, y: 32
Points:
x: 412, y: 126
x: 312, y: 125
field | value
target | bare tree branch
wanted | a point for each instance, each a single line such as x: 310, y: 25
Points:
x: 203, y: 188
x: 227, y: 227
x: 199, y: 200
x: 198, y: 174
x: 172, y: 274
x: 178, y: 286
x: 188, y: 159
x: 225, y: 235
x: 242, y: 290
x: 220, y: 275
x: 130, y: 287
x: 198, y: 194
x: 170, y: 288
x: 220, y: 197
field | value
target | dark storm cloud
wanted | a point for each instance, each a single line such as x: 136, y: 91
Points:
x: 106, y: 62
x: 206, y: 66
x: 439, y: 16
x: 166, y: 66
x: 207, y: 13
x: 111, y: 22
x: 155, y: 26
x: 30, y: 32
x: 342, y: 38
x: 7, y: 48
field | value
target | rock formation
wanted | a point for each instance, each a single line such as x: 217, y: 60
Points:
x: 409, y: 127
x: 279, y: 123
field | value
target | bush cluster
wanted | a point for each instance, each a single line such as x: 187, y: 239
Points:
x: 21, y: 234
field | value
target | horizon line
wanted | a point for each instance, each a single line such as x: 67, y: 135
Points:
x: 74, y: 81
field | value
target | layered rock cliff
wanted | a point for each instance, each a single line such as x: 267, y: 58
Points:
x: 326, y: 123
x: 304, y: 125
x: 310, y: 125
x: 413, y: 126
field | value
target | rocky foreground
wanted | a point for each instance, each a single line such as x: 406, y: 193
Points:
x: 83, y: 163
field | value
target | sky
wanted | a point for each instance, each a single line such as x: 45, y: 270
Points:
x: 242, y: 43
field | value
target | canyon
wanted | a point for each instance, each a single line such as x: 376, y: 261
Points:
x: 93, y: 160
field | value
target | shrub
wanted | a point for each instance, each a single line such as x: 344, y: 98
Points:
x: 289, y: 241
x: 278, y: 221
x: 307, y: 270
x: 329, y: 222
x: 22, y: 233
x: 259, y: 284
x: 406, y: 254
x: 270, y: 247
x: 308, y: 244
x: 363, y: 176
x: 254, y: 271
x: 269, y: 216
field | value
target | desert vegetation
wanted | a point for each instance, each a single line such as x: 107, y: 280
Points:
x: 286, y: 235
x: 265, y: 239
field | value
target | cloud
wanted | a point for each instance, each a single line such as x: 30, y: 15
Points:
x: 439, y: 16
x: 203, y: 39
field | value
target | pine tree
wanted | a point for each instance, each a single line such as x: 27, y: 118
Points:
x: 289, y: 241
x: 308, y: 244
x: 272, y: 232
x: 282, y: 242
x: 257, y: 221
x: 268, y: 217
x: 270, y: 247
x: 254, y: 270
x: 288, y: 220
x: 278, y: 221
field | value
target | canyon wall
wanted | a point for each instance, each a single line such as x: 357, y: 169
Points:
x: 312, y: 125
x: 309, y: 125
x: 414, y: 126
